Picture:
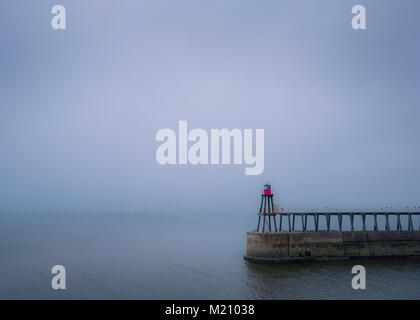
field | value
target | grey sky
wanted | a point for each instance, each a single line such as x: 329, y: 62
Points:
x: 80, y: 108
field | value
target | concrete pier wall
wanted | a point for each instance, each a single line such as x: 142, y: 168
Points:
x: 278, y: 247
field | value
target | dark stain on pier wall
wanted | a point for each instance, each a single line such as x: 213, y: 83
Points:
x: 323, y: 245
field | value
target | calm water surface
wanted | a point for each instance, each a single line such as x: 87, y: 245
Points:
x: 144, y: 256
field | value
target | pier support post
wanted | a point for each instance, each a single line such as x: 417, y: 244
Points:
x: 340, y: 222
x: 265, y: 204
x: 328, y: 221
x: 410, y: 223
x: 306, y: 220
x: 275, y: 223
x: 375, y: 223
x: 364, y: 222
x: 387, y: 228
x: 398, y: 223
x: 352, y: 222
x: 281, y: 218
x: 303, y: 223
x: 288, y: 216
x: 316, y: 217
x: 293, y: 227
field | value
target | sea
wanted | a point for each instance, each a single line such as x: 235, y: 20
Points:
x: 161, y: 256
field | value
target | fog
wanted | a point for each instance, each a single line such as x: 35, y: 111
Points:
x: 80, y: 108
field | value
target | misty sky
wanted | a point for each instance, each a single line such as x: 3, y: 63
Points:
x: 80, y: 108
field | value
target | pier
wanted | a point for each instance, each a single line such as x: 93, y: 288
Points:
x: 294, y: 235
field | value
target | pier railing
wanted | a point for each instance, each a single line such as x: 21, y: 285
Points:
x: 379, y: 220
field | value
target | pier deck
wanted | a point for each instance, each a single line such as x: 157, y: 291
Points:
x: 275, y: 221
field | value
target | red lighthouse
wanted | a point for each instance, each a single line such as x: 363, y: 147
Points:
x: 267, y: 210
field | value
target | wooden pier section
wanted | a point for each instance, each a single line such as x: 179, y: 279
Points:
x: 275, y: 221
